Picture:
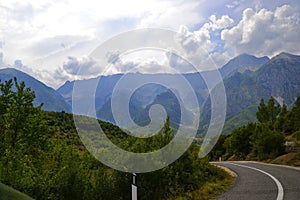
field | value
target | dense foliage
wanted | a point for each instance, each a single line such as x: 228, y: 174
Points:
x: 264, y: 139
x: 42, y: 156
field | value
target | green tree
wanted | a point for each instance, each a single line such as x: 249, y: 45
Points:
x: 219, y: 149
x: 262, y: 114
x: 295, y: 115
x: 282, y: 119
x: 267, y: 143
x: 267, y: 113
x: 273, y: 110
x: 21, y: 133
x: 239, y: 141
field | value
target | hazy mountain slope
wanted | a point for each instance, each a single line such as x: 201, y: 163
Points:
x: 279, y: 78
x: 52, y: 100
x: 242, y: 63
x: 248, y: 80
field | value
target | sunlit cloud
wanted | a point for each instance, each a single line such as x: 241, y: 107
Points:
x: 51, y: 38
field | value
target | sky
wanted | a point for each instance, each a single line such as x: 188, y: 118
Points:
x: 52, y: 39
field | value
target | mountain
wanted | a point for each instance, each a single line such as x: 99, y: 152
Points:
x: 279, y: 77
x: 241, y: 64
x: 247, y: 79
x: 51, y: 99
x: 104, y: 90
x: 145, y: 95
x: 66, y: 91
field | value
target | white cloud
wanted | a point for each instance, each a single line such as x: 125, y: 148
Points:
x: 144, y: 61
x: 31, y: 24
x: 233, y: 4
x: 202, y: 37
x: 172, y: 14
x: 199, y: 45
x: 265, y: 32
x: 44, y: 33
x: 224, y: 22
x: 2, y: 64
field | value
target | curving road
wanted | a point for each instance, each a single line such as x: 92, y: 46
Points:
x: 257, y: 181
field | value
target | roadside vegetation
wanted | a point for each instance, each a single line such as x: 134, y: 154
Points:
x: 275, y: 134
x: 42, y: 156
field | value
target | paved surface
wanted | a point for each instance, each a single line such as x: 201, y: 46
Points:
x: 257, y: 181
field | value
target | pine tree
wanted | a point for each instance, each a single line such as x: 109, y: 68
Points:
x: 273, y: 110
x: 262, y: 112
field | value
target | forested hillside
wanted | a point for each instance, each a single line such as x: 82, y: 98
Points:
x: 265, y: 139
x: 42, y: 156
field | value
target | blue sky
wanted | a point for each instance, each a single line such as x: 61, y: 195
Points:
x: 49, y: 39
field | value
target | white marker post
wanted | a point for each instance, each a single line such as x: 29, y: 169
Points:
x: 134, y: 187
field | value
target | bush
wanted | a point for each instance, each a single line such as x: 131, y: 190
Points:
x: 297, y: 135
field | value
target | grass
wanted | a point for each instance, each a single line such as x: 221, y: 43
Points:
x: 211, y: 189
x: 292, y: 158
x: 8, y: 193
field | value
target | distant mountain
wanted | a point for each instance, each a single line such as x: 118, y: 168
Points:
x: 247, y: 79
x: 66, y: 91
x: 52, y: 100
x: 143, y: 97
x: 242, y: 63
x: 279, y: 77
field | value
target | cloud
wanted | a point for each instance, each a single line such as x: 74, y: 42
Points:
x: 40, y: 29
x: 169, y: 14
x: 265, y: 32
x: 54, y: 45
x: 84, y: 66
x: 2, y: 64
x: 18, y: 64
x: 234, y: 4
x: 143, y: 61
x: 113, y: 57
x: 201, y: 47
x: 224, y: 22
x: 51, y: 35
x: 192, y: 40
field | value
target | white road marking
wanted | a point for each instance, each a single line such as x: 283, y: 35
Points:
x: 279, y: 186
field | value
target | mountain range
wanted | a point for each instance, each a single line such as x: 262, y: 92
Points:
x: 247, y: 79
x: 278, y: 77
x: 51, y: 99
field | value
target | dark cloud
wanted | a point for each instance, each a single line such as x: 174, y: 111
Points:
x: 18, y: 64
x: 179, y: 64
x: 84, y: 66
x: 113, y: 57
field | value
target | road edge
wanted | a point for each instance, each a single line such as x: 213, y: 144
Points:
x: 229, y: 171
x: 264, y: 163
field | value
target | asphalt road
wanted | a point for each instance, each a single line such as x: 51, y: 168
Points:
x: 257, y: 181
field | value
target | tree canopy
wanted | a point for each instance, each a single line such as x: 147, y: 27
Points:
x: 42, y: 156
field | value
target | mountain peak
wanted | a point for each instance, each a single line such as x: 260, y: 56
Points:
x: 285, y: 55
x: 242, y: 63
x: 10, y: 70
x: 52, y: 100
